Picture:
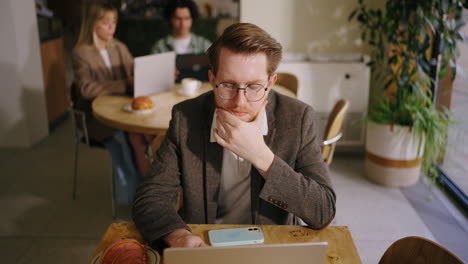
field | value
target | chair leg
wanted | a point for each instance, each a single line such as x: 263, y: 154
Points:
x: 75, y: 169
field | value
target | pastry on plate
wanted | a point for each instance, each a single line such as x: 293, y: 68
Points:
x: 142, y: 103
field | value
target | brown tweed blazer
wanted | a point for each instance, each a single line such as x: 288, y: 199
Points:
x: 298, y: 183
x: 93, y: 78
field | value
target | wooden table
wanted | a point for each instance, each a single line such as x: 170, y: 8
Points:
x: 341, y: 248
x: 109, y: 109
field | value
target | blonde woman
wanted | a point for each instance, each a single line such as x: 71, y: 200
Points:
x: 102, y: 66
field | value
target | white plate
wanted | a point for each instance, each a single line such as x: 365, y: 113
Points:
x: 183, y: 92
x: 128, y: 108
x: 153, y: 257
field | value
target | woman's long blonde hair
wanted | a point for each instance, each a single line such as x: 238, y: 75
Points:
x: 92, y: 14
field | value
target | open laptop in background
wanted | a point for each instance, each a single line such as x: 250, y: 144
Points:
x: 154, y: 73
x: 297, y: 253
x: 192, y: 66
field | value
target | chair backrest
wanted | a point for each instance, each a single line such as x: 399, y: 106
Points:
x: 78, y: 118
x: 288, y: 80
x: 79, y: 121
x: 333, y: 129
x: 418, y: 250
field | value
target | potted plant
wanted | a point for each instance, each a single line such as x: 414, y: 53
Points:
x: 413, y: 44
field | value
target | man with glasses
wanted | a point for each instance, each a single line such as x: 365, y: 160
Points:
x: 241, y: 154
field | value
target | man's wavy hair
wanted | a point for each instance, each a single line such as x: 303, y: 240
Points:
x: 247, y: 39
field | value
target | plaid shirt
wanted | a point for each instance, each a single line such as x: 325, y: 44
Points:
x: 198, y: 45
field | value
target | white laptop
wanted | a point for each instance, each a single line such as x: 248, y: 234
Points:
x: 154, y: 73
x: 297, y: 253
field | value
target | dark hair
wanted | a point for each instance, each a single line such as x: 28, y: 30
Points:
x: 174, y: 4
x: 248, y: 39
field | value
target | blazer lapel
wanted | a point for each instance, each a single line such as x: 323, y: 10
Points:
x: 213, y: 158
x: 269, y: 139
x: 114, y: 57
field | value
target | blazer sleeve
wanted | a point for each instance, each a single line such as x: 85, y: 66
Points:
x: 154, y: 208
x: 304, y: 190
x: 87, y: 81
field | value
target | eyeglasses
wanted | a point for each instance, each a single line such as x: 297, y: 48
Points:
x: 253, y: 92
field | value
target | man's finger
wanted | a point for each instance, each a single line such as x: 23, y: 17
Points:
x: 222, y: 131
x: 218, y: 138
x: 227, y: 117
x: 203, y: 244
x: 223, y: 124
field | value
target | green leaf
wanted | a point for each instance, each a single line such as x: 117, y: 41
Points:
x: 362, y: 18
x: 454, y: 72
x: 351, y: 16
x: 442, y: 72
x: 393, y: 60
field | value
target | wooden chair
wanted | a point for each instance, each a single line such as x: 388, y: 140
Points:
x: 80, y: 132
x: 418, y: 250
x: 288, y: 80
x: 333, y: 130
x: 153, y: 146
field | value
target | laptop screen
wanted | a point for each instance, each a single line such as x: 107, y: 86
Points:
x: 154, y: 73
x: 297, y: 253
x: 192, y: 66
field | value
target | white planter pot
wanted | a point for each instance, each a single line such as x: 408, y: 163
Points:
x: 392, y: 156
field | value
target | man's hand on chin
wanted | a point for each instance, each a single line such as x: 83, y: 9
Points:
x: 245, y: 139
x: 183, y: 238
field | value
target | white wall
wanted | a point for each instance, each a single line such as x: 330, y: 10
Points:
x: 320, y: 27
x: 23, y: 117
x: 222, y: 7
x: 312, y: 26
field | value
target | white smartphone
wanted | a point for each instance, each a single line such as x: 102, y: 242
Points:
x: 236, y: 236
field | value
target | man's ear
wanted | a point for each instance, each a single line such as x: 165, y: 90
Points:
x: 211, y: 77
x: 272, y: 80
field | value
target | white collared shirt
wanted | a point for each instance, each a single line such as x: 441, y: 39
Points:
x: 234, y: 189
x: 106, y: 58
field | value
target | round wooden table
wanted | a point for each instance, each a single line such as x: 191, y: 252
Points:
x: 109, y: 109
